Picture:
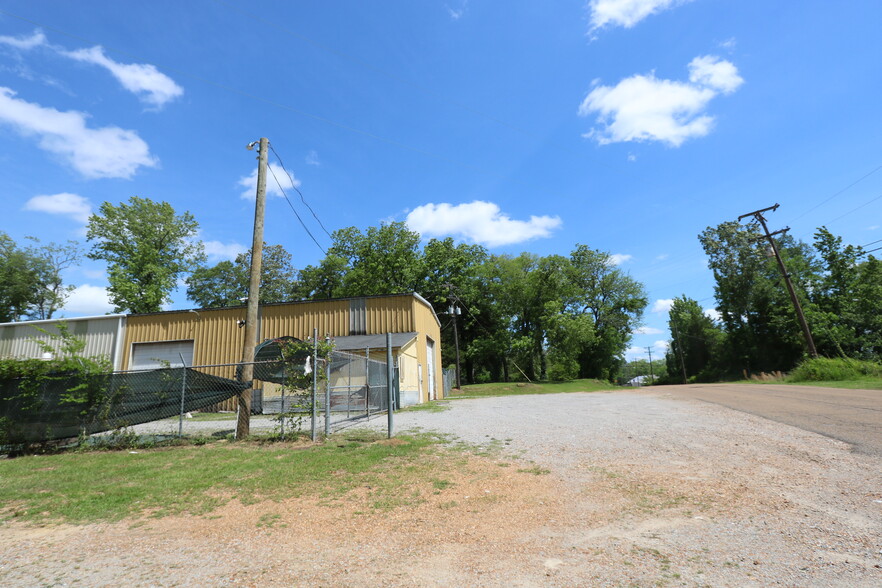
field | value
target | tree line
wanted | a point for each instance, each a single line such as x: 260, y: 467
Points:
x: 522, y: 316
x: 839, y: 287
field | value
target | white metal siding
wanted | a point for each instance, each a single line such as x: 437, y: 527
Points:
x: 101, y: 335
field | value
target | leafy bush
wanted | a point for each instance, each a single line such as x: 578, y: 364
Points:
x: 825, y: 369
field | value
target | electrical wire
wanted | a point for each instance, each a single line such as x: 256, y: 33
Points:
x: 305, y: 228
x: 855, y: 209
x: 290, y: 175
x: 854, y: 183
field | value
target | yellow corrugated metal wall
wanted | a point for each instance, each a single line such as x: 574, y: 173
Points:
x: 218, y: 338
x: 330, y: 317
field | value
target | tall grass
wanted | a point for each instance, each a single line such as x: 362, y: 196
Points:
x: 825, y: 369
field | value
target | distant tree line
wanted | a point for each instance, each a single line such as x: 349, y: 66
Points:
x: 839, y: 287
x: 525, y: 316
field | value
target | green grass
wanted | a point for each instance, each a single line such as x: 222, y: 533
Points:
x: 514, y: 388
x: 824, y: 369
x: 865, y: 384
x: 431, y: 406
x: 111, y: 485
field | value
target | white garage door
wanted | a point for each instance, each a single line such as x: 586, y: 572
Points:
x: 156, y: 355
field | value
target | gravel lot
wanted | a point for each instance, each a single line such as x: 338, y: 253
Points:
x: 606, y: 489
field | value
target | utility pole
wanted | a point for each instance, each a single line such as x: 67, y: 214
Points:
x: 455, y: 311
x: 243, y: 423
x: 680, y: 349
x: 651, y: 375
x: 758, y: 215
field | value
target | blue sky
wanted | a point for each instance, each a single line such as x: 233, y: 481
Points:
x: 626, y: 125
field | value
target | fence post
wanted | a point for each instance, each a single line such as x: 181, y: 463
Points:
x: 367, y: 381
x: 183, y: 391
x: 315, y: 368
x: 328, y: 391
x: 389, y: 372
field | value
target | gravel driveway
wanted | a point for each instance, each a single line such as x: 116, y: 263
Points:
x: 607, y: 489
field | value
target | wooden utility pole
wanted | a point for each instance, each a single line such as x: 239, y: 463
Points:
x: 455, y: 312
x: 680, y: 349
x: 758, y: 215
x: 651, y: 375
x: 243, y: 423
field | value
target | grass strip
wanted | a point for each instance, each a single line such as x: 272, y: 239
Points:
x: 516, y: 388
x: 110, y: 485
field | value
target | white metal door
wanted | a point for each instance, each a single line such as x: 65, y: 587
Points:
x: 147, y: 356
x: 430, y: 364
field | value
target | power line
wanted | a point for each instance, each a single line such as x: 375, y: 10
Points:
x: 305, y: 228
x: 873, y: 242
x: 293, y: 185
x: 855, y: 209
x: 854, y: 183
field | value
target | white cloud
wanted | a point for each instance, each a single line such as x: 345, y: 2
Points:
x: 662, y: 256
x: 457, y: 13
x: 88, y: 300
x: 37, y: 39
x: 218, y: 250
x: 478, y: 221
x: 312, y: 158
x: 729, y: 43
x: 626, y: 13
x: 142, y: 79
x: 713, y: 72
x: 274, y: 173
x: 663, y: 305
x: 632, y: 157
x: 645, y: 108
x: 713, y: 314
x: 661, y: 346
x: 65, y: 203
x: 619, y: 258
x: 106, y: 152
x: 647, y: 331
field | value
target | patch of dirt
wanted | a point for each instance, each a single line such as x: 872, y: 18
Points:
x: 635, y: 492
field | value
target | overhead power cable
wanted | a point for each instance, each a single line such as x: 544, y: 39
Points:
x: 305, y: 228
x: 854, y: 183
x: 293, y: 185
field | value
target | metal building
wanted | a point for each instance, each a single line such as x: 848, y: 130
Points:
x: 103, y: 336
x: 357, y: 325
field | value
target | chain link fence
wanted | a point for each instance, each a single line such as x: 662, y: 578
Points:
x: 191, y: 401
x: 351, y: 389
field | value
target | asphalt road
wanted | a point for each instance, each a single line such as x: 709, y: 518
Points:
x: 853, y: 416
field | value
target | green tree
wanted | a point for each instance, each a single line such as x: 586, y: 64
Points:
x: 146, y: 246
x: 226, y: 283
x: 51, y: 260
x: 322, y: 281
x: 846, y: 296
x: 382, y: 260
x: 762, y: 332
x: 695, y: 342
x: 19, y: 279
x: 614, y: 301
